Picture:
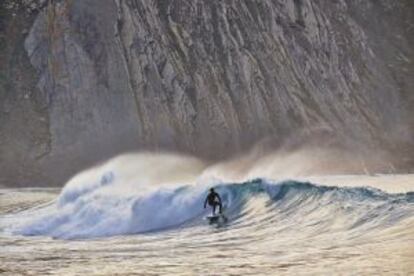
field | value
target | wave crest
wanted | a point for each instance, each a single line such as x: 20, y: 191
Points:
x: 96, y: 210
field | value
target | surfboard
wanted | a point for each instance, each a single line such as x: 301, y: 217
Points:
x: 216, y: 218
x: 213, y: 218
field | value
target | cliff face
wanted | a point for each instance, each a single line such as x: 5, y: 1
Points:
x: 207, y: 77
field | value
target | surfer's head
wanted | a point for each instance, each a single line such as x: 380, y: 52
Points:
x: 211, y: 190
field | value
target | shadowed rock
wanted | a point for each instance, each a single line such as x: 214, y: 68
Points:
x: 210, y: 78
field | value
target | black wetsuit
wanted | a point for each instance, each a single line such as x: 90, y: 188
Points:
x: 213, y: 199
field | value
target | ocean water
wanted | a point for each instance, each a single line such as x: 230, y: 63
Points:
x: 103, y: 223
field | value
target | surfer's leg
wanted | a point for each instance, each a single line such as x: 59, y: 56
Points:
x: 214, y: 209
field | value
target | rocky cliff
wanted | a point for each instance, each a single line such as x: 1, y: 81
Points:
x: 82, y: 80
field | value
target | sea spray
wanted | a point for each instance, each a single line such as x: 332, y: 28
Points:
x: 99, y: 212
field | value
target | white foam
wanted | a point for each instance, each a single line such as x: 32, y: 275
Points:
x: 131, y: 194
x: 128, y: 194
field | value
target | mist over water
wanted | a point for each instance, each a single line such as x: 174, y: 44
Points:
x: 148, y: 208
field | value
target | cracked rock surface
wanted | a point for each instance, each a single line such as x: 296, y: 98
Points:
x: 83, y: 80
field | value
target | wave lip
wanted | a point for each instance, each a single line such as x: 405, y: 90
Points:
x: 96, y: 210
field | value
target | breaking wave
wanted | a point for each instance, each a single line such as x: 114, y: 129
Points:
x: 106, y: 207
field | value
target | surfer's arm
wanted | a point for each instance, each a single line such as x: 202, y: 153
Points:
x: 205, y: 202
x: 219, y: 198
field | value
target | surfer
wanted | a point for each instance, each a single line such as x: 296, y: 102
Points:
x: 213, y: 199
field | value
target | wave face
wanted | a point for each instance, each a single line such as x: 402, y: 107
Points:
x: 105, y: 208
